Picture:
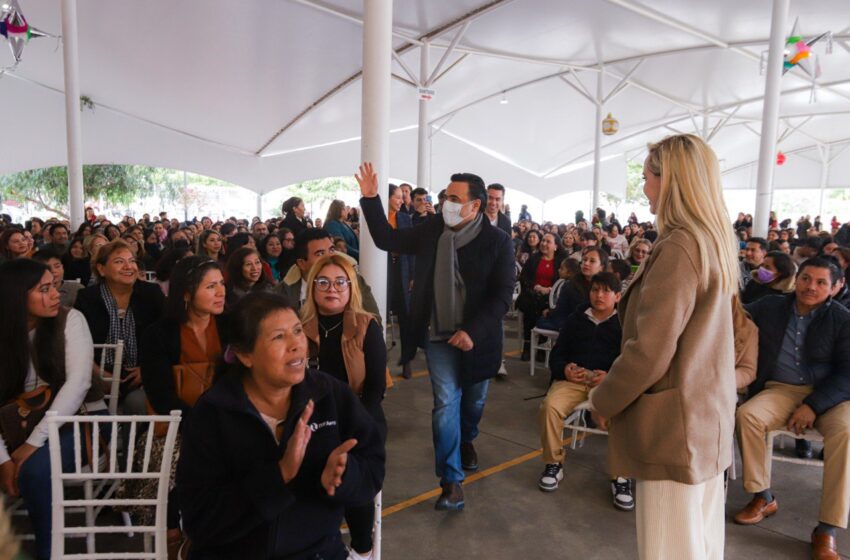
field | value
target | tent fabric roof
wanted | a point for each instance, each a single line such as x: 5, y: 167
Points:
x: 268, y: 94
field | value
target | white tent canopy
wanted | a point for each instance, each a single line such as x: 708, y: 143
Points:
x: 266, y: 93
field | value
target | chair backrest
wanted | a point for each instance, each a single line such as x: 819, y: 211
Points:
x: 114, y: 380
x: 376, y: 528
x: 110, y: 470
x: 150, y: 275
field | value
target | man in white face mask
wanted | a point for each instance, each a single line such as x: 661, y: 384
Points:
x: 462, y: 289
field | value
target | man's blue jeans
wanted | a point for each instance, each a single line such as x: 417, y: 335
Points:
x: 458, y: 408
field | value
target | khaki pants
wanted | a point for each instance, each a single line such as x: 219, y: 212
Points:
x: 770, y: 410
x: 678, y: 521
x: 560, y: 401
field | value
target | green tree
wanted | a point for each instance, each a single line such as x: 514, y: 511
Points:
x: 634, y: 187
x: 48, y: 187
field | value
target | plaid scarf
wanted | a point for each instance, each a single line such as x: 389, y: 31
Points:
x: 119, y: 329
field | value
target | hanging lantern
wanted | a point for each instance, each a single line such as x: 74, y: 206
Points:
x: 780, y: 158
x: 610, y: 125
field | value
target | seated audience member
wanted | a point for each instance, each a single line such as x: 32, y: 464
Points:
x: 244, y: 494
x: 259, y: 230
x: 622, y: 270
x: 615, y: 241
x: 340, y: 246
x: 13, y: 244
x: 166, y: 264
x: 210, y: 245
x: 153, y: 244
x: 746, y: 346
x: 588, y: 344
x: 775, y: 276
x: 271, y: 250
x: 67, y: 290
x: 335, y: 224
x: 803, y: 381
x: 530, y: 245
x: 244, y: 274
x: 192, y: 334
x: 568, y: 270
x: 588, y: 239
x: 310, y: 246
x: 577, y: 290
x: 755, y: 251
x: 43, y: 346
x: 119, y: 307
x: 77, y: 262
x: 348, y: 343
x: 810, y: 247
x: 287, y: 258
x: 539, y: 274
x: 59, y: 235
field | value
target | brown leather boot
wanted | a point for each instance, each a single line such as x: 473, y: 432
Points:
x: 756, y: 511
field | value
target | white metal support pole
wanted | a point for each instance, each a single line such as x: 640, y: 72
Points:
x: 770, y: 118
x: 185, y: 198
x: 375, y: 129
x: 824, y: 177
x: 423, y: 158
x: 597, y: 141
x: 260, y: 206
x: 73, y: 132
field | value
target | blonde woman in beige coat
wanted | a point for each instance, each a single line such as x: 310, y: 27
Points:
x: 670, y: 396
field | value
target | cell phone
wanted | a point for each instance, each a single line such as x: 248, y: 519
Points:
x: 428, y: 199
x: 635, y: 268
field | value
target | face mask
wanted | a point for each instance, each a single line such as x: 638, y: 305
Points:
x: 451, y: 213
x: 764, y: 275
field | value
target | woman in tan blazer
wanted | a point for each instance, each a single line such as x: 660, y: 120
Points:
x: 670, y: 396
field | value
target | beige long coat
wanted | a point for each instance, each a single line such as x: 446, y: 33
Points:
x: 670, y: 396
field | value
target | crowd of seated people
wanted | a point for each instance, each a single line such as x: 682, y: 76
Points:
x: 171, y: 291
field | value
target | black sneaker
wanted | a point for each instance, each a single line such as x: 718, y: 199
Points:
x: 553, y: 473
x: 621, y: 489
x: 468, y: 456
x: 451, y: 499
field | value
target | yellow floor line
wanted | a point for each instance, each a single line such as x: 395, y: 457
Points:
x: 410, y: 502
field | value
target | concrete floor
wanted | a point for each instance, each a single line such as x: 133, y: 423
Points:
x: 507, y: 517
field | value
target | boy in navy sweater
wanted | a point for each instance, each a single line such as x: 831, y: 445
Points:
x: 588, y: 344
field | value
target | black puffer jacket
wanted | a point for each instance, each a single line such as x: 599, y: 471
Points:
x: 231, y: 492
x: 827, y: 341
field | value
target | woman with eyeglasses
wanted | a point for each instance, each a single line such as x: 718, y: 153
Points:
x: 348, y: 344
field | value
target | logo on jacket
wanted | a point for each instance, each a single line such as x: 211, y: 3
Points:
x: 314, y: 426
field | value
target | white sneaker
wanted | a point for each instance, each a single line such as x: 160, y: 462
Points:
x: 352, y: 555
x: 552, y: 475
x: 503, y: 370
x: 621, y: 489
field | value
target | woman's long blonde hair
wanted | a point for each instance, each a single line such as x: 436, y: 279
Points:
x: 355, y: 302
x: 691, y: 199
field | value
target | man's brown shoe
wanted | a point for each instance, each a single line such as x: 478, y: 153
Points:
x: 756, y: 511
x: 823, y: 547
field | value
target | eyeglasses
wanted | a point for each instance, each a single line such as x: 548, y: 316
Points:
x: 324, y: 284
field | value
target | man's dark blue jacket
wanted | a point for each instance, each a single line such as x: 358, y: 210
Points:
x: 827, y: 341
x: 488, y: 272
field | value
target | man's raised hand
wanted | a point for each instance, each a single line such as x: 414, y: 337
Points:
x: 368, y: 180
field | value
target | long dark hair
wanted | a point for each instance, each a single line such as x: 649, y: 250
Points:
x: 186, y: 278
x: 244, y: 323
x: 17, y: 278
x: 234, y: 269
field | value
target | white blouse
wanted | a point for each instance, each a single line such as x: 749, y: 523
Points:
x: 79, y: 357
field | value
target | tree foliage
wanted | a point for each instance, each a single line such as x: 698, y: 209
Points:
x: 634, y: 187
x: 48, y: 187
x: 320, y: 190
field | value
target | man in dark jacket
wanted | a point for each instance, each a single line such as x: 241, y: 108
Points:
x: 495, y: 202
x: 463, y: 287
x: 802, y: 382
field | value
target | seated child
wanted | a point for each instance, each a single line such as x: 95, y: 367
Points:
x: 588, y: 344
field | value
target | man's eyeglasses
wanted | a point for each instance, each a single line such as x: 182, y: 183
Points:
x: 324, y: 284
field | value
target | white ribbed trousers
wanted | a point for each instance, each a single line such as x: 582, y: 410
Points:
x: 678, y: 521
